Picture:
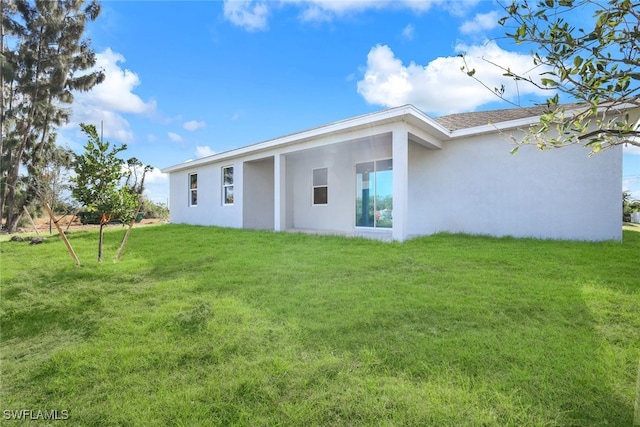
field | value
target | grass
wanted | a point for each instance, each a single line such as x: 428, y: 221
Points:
x: 210, y: 326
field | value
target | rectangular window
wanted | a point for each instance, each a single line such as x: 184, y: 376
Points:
x: 193, y: 189
x: 320, y: 186
x: 227, y: 185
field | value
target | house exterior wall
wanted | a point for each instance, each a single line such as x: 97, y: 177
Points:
x: 471, y: 185
x: 258, y: 194
x: 210, y: 209
x: 340, y: 160
x: 476, y: 186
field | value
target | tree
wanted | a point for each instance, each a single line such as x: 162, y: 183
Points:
x: 100, y: 185
x: 45, y: 60
x: 53, y: 182
x: 595, y: 63
x: 629, y: 206
x: 135, y: 174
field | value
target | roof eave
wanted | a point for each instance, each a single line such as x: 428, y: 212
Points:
x: 406, y: 113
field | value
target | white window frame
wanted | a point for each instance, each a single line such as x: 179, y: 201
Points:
x: 192, y: 191
x: 315, y: 185
x: 226, y: 186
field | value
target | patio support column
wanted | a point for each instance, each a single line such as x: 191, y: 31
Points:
x: 279, y: 192
x: 400, y: 152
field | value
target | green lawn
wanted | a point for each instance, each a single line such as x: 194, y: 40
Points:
x: 208, y: 326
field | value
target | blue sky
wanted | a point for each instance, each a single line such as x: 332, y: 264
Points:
x: 188, y: 79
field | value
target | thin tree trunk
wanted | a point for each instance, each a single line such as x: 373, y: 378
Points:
x: 3, y: 183
x: 14, y: 169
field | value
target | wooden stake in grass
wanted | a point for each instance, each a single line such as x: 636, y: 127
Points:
x: 64, y: 237
x: 72, y: 219
x: 126, y: 235
x: 31, y: 219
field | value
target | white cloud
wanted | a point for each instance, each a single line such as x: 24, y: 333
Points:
x: 458, y: 7
x: 110, y: 124
x: 326, y: 10
x: 408, y: 32
x: 156, y: 177
x: 193, y: 125
x: 440, y: 87
x: 109, y: 101
x: 174, y: 137
x: 631, y: 184
x: 253, y: 14
x: 250, y: 15
x: 481, y: 22
x: 115, y: 93
x: 631, y: 149
x: 204, y: 151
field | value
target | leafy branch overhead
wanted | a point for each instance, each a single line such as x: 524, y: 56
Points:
x: 594, y: 62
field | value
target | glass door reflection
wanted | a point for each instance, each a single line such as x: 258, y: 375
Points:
x: 374, y: 194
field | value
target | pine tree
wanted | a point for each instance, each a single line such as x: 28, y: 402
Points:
x: 45, y: 63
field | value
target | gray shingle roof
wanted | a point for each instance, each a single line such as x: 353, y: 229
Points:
x: 482, y: 118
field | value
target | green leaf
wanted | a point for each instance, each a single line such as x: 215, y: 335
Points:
x: 577, y: 61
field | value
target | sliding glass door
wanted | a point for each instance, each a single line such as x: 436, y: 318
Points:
x: 374, y: 194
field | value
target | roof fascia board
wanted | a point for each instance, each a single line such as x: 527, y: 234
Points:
x: 406, y: 113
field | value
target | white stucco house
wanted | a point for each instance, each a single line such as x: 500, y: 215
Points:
x: 398, y: 173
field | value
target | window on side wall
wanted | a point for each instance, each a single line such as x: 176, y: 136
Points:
x: 227, y: 185
x: 320, y: 186
x: 193, y: 189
